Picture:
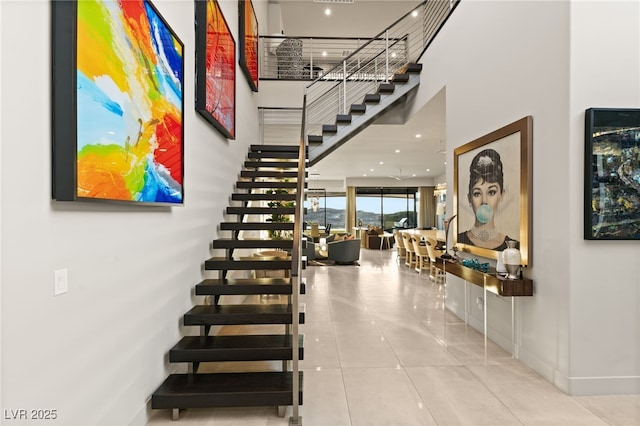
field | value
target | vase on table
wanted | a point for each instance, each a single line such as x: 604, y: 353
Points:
x: 511, y: 259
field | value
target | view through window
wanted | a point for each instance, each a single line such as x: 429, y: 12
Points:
x: 387, y: 208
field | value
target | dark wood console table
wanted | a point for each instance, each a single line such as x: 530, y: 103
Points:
x: 493, y: 283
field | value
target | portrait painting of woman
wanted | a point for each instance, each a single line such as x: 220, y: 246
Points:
x: 486, y: 187
x: 491, y: 189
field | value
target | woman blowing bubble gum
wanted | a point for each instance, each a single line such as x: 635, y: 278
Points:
x: 486, y: 187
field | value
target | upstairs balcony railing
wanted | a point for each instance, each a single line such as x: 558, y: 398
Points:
x: 375, y: 61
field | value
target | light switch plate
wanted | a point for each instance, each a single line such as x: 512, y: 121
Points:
x: 60, y: 282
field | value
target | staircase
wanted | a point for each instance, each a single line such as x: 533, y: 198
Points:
x: 270, y: 176
x: 360, y: 115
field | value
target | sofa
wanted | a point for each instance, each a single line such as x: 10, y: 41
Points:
x: 342, y: 252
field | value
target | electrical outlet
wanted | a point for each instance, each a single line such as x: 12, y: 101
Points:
x: 479, y: 302
x: 60, y: 282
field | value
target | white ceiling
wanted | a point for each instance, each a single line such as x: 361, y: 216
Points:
x: 366, y: 18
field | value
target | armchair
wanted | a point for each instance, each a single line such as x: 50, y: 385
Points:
x: 344, y: 251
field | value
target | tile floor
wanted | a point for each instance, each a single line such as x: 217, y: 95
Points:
x: 381, y: 350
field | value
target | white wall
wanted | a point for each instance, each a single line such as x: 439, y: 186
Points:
x: 501, y: 61
x: 605, y: 275
x: 96, y: 353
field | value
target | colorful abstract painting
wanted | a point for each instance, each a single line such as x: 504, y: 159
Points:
x: 215, y: 68
x: 128, y: 103
x: 249, y: 43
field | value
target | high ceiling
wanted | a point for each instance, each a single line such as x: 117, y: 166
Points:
x: 377, y: 143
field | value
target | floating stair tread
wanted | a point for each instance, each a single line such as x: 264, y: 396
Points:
x: 401, y: 78
x: 253, y: 197
x: 228, y: 243
x: 261, y: 210
x: 266, y: 184
x: 358, y: 108
x: 230, y: 286
x: 372, y: 98
x: 414, y: 68
x: 315, y: 139
x: 235, y: 348
x: 275, y: 164
x: 256, y: 226
x: 241, y: 314
x: 329, y: 128
x: 218, y: 263
x: 235, y: 286
x: 272, y: 388
x: 273, y: 148
x: 269, y: 174
x: 269, y: 154
x: 343, y: 118
x: 386, y: 87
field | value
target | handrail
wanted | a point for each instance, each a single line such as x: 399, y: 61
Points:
x: 296, y: 268
x: 401, y: 43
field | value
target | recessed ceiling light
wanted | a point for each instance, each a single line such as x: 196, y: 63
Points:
x: 327, y: 11
x: 428, y: 170
x: 418, y: 135
x: 393, y: 55
x: 397, y: 151
x: 382, y: 162
x: 413, y: 175
x: 324, y: 53
x: 370, y: 170
x: 414, y: 13
x: 445, y: 163
x: 365, y: 175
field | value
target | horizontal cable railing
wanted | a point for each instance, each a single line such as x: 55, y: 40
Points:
x: 375, y: 61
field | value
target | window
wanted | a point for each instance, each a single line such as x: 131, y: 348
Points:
x: 326, y: 208
x: 387, y: 208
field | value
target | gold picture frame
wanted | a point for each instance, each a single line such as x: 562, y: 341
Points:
x: 496, y: 206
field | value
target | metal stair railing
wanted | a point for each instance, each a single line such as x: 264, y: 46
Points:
x: 376, y: 61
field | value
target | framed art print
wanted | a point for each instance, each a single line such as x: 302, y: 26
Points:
x: 215, y: 68
x: 118, y: 109
x: 248, y: 43
x: 492, y: 191
x: 612, y: 174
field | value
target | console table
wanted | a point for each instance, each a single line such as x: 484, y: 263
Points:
x: 490, y: 282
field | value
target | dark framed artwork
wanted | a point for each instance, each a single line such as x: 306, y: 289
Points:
x: 492, y: 191
x: 215, y: 68
x: 248, y: 51
x: 612, y: 174
x: 118, y: 108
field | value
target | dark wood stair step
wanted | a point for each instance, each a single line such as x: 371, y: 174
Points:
x: 315, y: 139
x: 275, y: 148
x: 256, y: 226
x: 235, y: 348
x: 372, y: 98
x: 269, y: 174
x: 223, y: 263
x: 277, y: 154
x: 358, y: 109
x: 249, y: 243
x: 329, y: 128
x: 273, y: 164
x: 271, y: 388
x: 266, y: 197
x: 343, y: 118
x: 261, y: 210
x: 386, y: 88
x: 401, y: 78
x: 414, y: 68
x: 266, y: 184
x: 247, y: 286
x: 241, y: 314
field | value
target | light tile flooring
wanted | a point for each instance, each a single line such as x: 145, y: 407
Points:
x: 381, y: 350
